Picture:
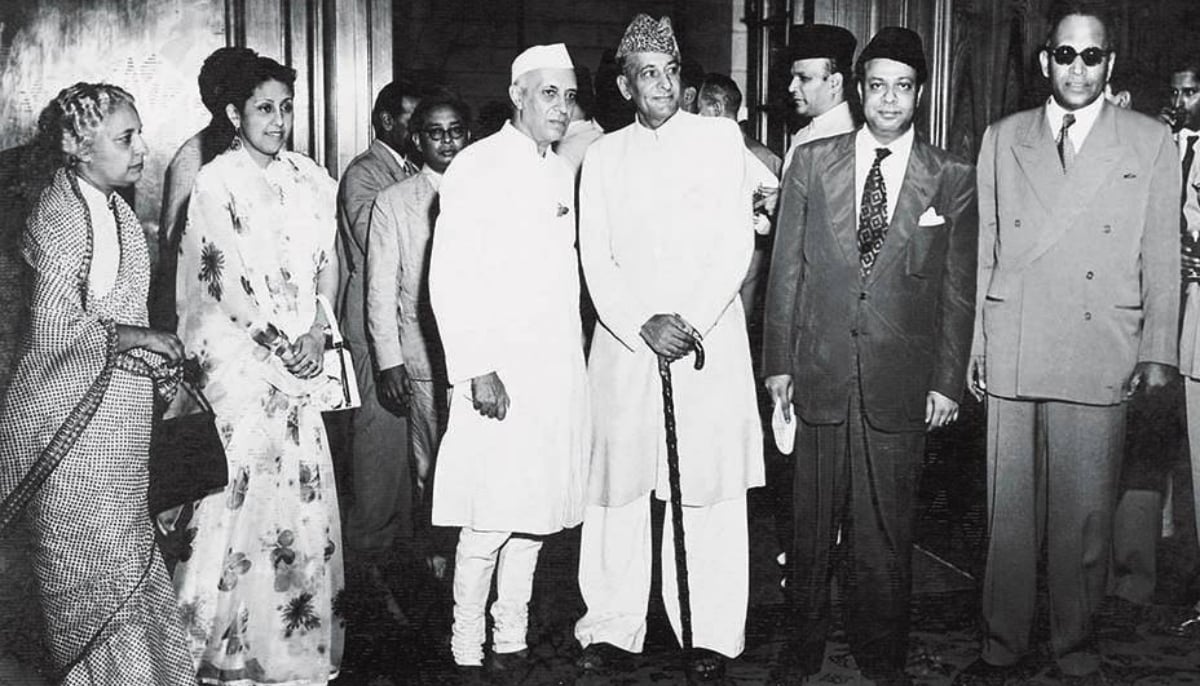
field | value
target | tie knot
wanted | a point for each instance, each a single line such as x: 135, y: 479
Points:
x: 1068, y: 120
x: 880, y: 154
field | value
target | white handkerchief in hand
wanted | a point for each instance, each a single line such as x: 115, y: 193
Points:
x: 784, y: 430
x: 931, y: 218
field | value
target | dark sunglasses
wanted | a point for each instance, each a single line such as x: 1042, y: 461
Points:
x: 437, y: 135
x: 1065, y: 55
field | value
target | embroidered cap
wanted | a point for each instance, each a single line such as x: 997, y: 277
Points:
x: 541, y: 57
x: 647, y: 35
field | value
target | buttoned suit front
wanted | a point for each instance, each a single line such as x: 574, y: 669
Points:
x: 1078, y: 282
x: 863, y: 355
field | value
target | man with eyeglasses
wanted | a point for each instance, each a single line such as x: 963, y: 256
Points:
x: 1078, y: 307
x: 665, y: 239
x: 403, y: 335
x: 504, y: 284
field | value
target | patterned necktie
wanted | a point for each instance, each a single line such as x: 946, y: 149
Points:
x: 1066, y: 149
x: 872, y: 215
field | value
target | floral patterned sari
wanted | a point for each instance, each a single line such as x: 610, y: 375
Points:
x: 261, y: 572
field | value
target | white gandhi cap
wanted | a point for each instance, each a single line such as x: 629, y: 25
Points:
x: 541, y: 57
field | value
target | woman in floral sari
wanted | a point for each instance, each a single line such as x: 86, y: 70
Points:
x: 75, y: 424
x: 260, y: 580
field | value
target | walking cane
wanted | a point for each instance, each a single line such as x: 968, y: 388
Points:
x: 681, y: 570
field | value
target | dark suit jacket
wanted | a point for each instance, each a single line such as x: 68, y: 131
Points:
x: 908, y: 327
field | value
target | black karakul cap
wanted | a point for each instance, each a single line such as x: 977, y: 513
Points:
x: 899, y: 44
x: 816, y: 41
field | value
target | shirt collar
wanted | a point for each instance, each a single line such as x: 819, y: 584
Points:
x: 834, y: 121
x: 1085, y: 118
x: 433, y: 177
x: 400, y: 159
x: 517, y: 139
x: 666, y: 129
x: 900, y: 147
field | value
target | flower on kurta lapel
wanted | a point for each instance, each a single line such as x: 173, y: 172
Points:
x: 299, y: 614
x: 212, y: 264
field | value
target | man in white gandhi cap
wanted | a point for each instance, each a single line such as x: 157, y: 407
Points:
x: 504, y: 284
x: 666, y: 237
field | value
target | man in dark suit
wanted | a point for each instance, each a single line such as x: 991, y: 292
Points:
x: 870, y: 303
x: 1078, y: 309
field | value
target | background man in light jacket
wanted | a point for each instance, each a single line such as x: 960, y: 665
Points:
x: 403, y: 335
x: 665, y: 238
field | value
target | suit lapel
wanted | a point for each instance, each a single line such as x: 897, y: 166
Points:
x: 1074, y: 191
x: 916, y: 193
x: 1037, y: 154
x: 838, y: 180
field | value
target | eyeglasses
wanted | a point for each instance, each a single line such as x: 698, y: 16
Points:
x: 438, y: 135
x: 1065, y: 55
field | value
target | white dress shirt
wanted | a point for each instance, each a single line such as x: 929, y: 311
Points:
x: 892, y: 167
x: 106, y: 243
x: 1085, y: 119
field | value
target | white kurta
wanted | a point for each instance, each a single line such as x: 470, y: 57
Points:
x: 665, y: 227
x: 504, y: 283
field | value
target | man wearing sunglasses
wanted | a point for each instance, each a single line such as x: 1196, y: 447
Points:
x: 1078, y: 306
x: 403, y: 335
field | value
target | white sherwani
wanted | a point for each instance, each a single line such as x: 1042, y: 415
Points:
x: 504, y: 284
x: 665, y: 226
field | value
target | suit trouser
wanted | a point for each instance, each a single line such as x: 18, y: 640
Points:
x: 614, y: 574
x: 380, y: 471
x: 514, y: 559
x: 1052, y: 474
x: 863, y: 481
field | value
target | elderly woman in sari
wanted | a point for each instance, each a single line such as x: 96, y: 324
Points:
x: 259, y: 584
x: 75, y: 424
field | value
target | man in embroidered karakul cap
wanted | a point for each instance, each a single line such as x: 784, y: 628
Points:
x: 665, y: 239
x: 504, y: 283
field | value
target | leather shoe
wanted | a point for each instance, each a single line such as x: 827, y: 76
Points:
x: 703, y: 666
x: 508, y: 668
x: 604, y: 658
x: 983, y: 673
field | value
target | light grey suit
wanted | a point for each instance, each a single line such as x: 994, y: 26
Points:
x: 1078, y: 282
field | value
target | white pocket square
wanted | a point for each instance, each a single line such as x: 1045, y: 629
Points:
x: 931, y: 218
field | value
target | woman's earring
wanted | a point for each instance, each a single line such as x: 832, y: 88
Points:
x: 236, y: 143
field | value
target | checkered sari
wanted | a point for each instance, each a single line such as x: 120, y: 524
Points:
x: 74, y: 436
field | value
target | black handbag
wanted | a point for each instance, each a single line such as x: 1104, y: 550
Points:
x: 187, y: 457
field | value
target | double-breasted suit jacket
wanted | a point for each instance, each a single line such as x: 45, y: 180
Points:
x: 1079, y: 272
x: 908, y: 325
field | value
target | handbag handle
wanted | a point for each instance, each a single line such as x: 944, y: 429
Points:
x: 335, y: 334
x: 198, y: 395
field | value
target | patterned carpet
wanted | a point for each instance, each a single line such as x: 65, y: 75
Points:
x: 383, y: 651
